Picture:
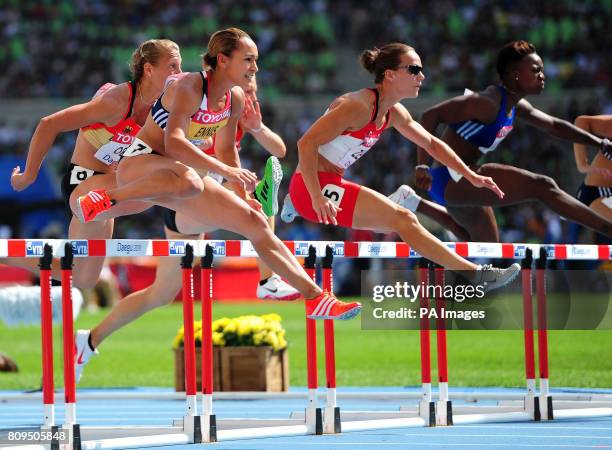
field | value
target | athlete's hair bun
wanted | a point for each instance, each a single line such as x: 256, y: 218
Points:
x: 378, y: 60
x: 368, y: 59
x: 209, y: 61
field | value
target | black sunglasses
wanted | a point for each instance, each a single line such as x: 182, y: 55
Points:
x: 412, y: 69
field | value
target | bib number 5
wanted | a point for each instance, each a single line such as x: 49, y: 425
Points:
x: 334, y: 193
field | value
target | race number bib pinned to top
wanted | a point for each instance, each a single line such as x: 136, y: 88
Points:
x: 334, y: 193
x: 79, y: 174
x: 138, y: 147
x: 111, y: 152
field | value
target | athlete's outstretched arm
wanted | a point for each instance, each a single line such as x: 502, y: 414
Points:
x: 184, y: 105
x: 412, y: 130
x: 458, y: 109
x: 601, y: 126
x: 100, y: 109
x: 555, y: 126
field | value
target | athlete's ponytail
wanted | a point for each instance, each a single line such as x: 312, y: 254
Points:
x: 150, y: 51
x: 378, y: 60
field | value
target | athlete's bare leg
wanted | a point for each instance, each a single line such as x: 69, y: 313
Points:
x: 164, y: 289
x: 86, y: 271
x: 264, y: 271
x: 441, y: 215
x: 218, y: 207
x: 149, y: 177
x: 601, y: 209
x: 479, y: 221
x: 374, y: 211
x: 519, y: 186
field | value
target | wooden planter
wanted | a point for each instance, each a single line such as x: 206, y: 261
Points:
x: 239, y: 369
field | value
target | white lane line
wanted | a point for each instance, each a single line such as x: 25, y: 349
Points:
x: 441, y: 444
x: 549, y: 426
x: 521, y: 436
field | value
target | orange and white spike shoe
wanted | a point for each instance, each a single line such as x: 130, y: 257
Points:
x: 92, y: 204
x: 327, y: 306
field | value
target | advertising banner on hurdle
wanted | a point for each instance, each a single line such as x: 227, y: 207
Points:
x: 576, y: 300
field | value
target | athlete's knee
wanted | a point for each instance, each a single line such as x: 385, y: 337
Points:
x: 545, y: 183
x: 257, y: 225
x: 190, y: 184
x: 156, y: 296
x: 124, y: 173
x: 406, y: 220
x: 84, y: 280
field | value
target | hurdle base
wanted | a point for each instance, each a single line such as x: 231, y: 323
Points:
x: 546, y: 408
x: 532, y: 407
x: 192, y: 427
x: 426, y: 411
x: 444, y: 413
x: 55, y: 443
x: 73, y: 435
x: 331, y: 420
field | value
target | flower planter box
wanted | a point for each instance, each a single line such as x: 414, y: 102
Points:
x: 240, y: 369
x: 179, y: 369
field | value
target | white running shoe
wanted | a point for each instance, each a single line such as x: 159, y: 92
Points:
x: 82, y: 352
x: 492, y: 277
x: 288, y: 213
x: 275, y: 288
x: 406, y: 197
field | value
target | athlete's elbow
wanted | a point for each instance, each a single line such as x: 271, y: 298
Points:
x: 46, y: 124
x: 429, y: 118
x: 304, y: 146
x: 581, y: 121
x: 280, y: 151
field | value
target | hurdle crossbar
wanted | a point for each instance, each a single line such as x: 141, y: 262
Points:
x: 341, y: 249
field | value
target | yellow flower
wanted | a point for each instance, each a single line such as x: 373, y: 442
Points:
x: 218, y: 339
x: 272, y: 317
x: 242, y: 330
x: 220, y: 324
x: 244, y: 327
x: 178, y: 341
x: 282, y: 343
x: 230, y: 327
x: 272, y: 340
x: 258, y: 338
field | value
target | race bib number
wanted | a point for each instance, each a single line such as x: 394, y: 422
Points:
x: 111, y: 152
x: 334, y: 193
x: 137, y: 148
x: 79, y: 174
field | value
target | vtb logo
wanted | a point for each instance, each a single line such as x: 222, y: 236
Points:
x: 80, y: 248
x: 34, y: 248
x: 177, y: 248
